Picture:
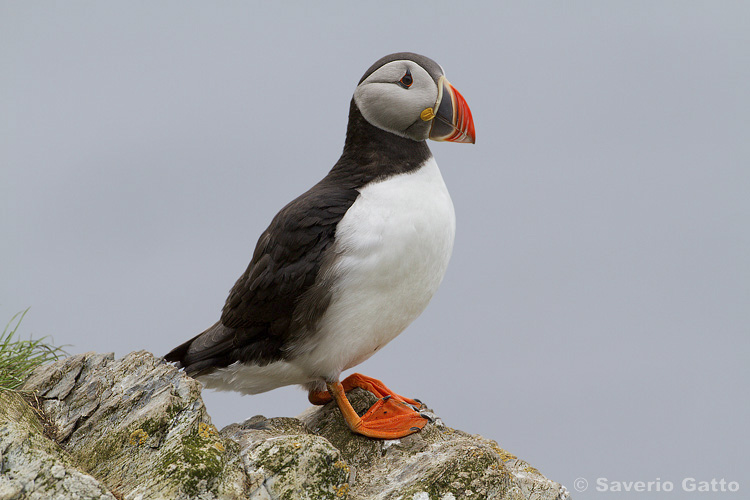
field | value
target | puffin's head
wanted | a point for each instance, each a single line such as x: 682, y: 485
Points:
x: 408, y: 95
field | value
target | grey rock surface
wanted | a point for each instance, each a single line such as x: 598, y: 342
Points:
x: 137, y: 429
x: 32, y: 466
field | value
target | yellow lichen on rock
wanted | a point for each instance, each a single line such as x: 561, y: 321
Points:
x: 207, y: 431
x: 138, y: 437
x: 504, y: 455
x: 342, y: 465
x: 342, y: 491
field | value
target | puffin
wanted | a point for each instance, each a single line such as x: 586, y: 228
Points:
x: 344, y: 268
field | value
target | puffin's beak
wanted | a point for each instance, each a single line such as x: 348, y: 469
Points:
x: 451, y: 117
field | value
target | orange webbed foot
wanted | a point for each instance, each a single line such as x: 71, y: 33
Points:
x: 319, y: 398
x: 376, y: 387
x: 370, y: 384
x: 391, y: 417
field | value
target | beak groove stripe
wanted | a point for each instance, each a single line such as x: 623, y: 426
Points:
x: 452, y: 117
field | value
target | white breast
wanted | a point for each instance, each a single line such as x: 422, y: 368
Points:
x: 394, y: 244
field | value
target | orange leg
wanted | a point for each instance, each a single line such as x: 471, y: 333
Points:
x: 373, y: 385
x: 388, y: 418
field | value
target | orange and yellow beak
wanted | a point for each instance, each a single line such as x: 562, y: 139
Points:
x: 451, y: 117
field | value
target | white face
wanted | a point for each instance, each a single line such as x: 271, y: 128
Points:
x: 388, y: 102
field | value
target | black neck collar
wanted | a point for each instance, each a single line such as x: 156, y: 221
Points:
x: 372, y: 154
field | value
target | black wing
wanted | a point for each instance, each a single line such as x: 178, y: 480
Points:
x: 263, y: 310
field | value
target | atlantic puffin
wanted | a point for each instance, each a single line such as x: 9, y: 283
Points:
x: 348, y: 265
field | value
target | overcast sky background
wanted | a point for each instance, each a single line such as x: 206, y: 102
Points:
x: 595, y: 317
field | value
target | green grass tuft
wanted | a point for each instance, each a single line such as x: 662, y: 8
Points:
x: 18, y: 358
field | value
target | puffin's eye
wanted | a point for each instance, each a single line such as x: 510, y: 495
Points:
x: 406, y: 80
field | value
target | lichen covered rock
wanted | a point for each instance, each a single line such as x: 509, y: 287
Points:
x: 138, y: 425
x: 284, y: 460
x: 436, y: 463
x: 137, y: 429
x: 32, y: 466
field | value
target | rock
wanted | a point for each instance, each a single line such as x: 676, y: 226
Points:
x: 33, y: 467
x: 436, y: 463
x: 284, y: 460
x: 137, y: 429
x: 139, y: 426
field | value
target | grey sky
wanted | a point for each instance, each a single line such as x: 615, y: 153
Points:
x: 595, y: 316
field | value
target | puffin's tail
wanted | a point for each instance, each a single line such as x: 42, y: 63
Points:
x: 205, y: 352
